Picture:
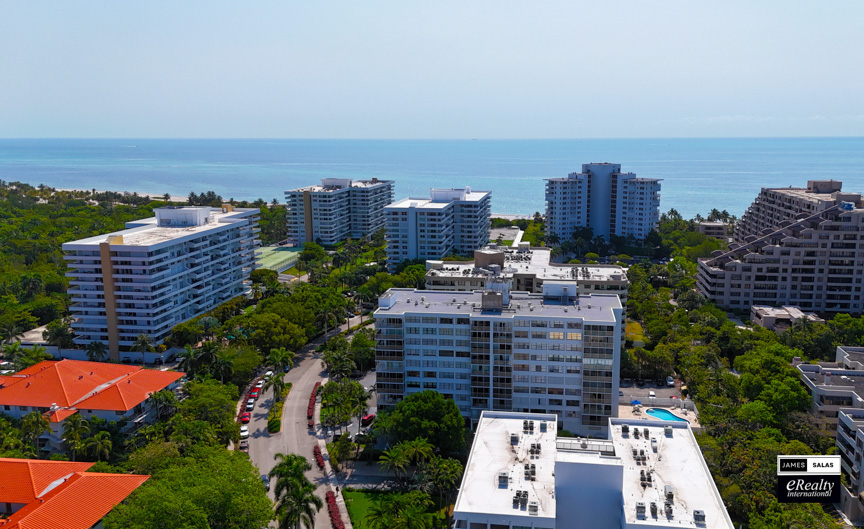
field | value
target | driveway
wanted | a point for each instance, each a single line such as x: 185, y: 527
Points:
x: 630, y: 389
x: 295, y: 437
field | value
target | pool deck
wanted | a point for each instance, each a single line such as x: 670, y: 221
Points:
x: 626, y: 412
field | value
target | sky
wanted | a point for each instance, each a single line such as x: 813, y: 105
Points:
x: 431, y: 69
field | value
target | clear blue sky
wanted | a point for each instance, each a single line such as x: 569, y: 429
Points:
x: 431, y: 68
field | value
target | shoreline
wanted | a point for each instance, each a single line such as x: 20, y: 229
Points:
x: 152, y: 196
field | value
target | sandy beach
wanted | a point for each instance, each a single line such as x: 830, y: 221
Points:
x: 154, y: 196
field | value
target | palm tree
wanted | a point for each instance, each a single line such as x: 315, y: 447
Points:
x: 10, y: 331
x: 96, y: 351
x: 165, y: 402
x: 33, y: 425
x: 280, y: 359
x: 187, y: 361
x: 59, y: 333
x: 296, y: 502
x: 207, y: 354
x: 402, y: 511
x: 417, y: 450
x: 445, y: 474
x: 396, y: 461
x: 74, y: 429
x: 222, y: 368
x: 298, y: 507
x: 99, y: 445
x: 31, y: 285
x: 143, y: 344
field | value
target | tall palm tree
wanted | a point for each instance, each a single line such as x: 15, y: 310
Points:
x: 10, y: 331
x: 395, y: 460
x: 96, y: 351
x: 74, y: 429
x: 402, y: 511
x: 59, y: 333
x: 99, y: 445
x: 280, y: 359
x: 222, y: 368
x: 143, y: 344
x: 298, y: 507
x: 33, y: 425
x: 187, y: 361
x: 207, y: 354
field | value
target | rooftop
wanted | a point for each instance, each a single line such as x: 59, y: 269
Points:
x: 83, y: 385
x: 147, y: 232
x: 677, y: 463
x: 67, y: 496
x: 496, y: 472
x: 330, y: 185
x: 440, y: 199
x: 518, y: 467
x: 536, y: 262
x: 591, y: 307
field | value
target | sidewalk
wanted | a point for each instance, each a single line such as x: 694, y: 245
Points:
x: 332, y: 477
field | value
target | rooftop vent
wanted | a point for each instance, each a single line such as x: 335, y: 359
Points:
x: 625, y: 429
x: 502, y: 479
x: 640, y: 508
x: 514, y: 438
x: 669, y: 491
x: 533, y: 508
x: 699, y: 516
x: 668, y: 431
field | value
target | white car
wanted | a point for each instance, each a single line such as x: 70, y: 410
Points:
x: 259, y: 384
x: 244, y: 432
x: 268, y: 375
x: 651, y: 394
x: 250, y: 404
x: 670, y: 382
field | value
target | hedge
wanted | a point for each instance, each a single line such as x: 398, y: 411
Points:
x: 333, y: 509
x: 274, y: 418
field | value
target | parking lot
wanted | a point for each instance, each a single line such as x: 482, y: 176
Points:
x: 630, y: 389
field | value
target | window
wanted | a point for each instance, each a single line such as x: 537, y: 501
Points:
x: 556, y: 335
x: 574, y: 335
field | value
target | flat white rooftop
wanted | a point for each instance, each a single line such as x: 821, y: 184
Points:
x: 337, y: 184
x: 678, y: 463
x: 441, y: 199
x: 496, y: 466
x: 536, y: 262
x: 146, y: 232
x: 591, y: 307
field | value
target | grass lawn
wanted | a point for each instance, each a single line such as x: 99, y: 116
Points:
x: 358, y: 503
x: 633, y: 331
x: 507, y: 242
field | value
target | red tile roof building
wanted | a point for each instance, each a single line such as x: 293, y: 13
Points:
x: 47, y: 494
x: 62, y: 388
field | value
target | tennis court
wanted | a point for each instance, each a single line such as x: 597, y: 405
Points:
x: 278, y: 257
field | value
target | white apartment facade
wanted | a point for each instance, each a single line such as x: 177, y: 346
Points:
x: 525, y: 269
x: 337, y: 209
x: 644, y: 474
x: 450, y: 221
x: 605, y: 199
x: 495, y: 350
x: 836, y: 389
x: 159, y: 272
x: 794, y: 246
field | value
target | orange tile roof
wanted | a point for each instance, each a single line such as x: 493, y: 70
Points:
x: 78, y: 502
x: 71, y: 383
x: 25, y: 479
x: 60, y: 415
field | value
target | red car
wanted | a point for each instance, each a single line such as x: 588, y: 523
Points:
x: 245, y: 417
x: 254, y: 393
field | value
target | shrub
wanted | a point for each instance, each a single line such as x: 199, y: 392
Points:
x: 274, y: 418
x: 319, y: 458
x: 333, y: 509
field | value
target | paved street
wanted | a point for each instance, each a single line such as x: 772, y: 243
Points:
x: 295, y: 437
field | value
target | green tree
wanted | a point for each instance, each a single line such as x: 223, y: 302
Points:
x: 401, y: 511
x: 59, y: 333
x: 99, y: 445
x: 33, y: 426
x: 142, y: 344
x: 75, y: 427
x: 427, y: 414
x: 296, y: 503
x: 97, y: 351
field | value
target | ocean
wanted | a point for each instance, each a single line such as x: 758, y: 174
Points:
x: 698, y: 174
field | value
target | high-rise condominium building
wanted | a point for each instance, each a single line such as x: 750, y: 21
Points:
x: 450, y: 221
x: 553, y: 352
x: 604, y: 199
x: 793, y: 246
x: 159, y: 272
x: 522, y: 474
x: 336, y: 210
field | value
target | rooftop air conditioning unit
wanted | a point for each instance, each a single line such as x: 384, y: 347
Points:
x: 533, y: 508
x: 699, y: 516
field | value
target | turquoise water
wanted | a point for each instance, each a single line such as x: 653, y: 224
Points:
x: 664, y: 415
x: 698, y: 174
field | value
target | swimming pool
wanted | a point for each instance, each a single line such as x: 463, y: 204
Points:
x: 664, y: 415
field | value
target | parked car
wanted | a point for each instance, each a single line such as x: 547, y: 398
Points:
x: 244, y: 445
x: 244, y: 432
x: 259, y: 384
x: 255, y: 393
x: 287, y: 368
x: 651, y: 394
x: 250, y: 404
x: 670, y: 382
x: 268, y: 375
x: 245, y: 417
x: 367, y: 420
x: 265, y: 479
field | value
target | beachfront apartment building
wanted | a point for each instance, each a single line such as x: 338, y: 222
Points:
x: 159, y: 272
x: 450, y: 221
x: 551, y: 352
x: 525, y: 269
x: 645, y: 474
x: 794, y: 246
x: 836, y: 389
x: 337, y: 209
x: 604, y: 199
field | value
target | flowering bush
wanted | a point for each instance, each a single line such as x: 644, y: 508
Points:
x: 310, y: 423
x: 319, y: 458
x: 333, y: 509
x: 310, y: 410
